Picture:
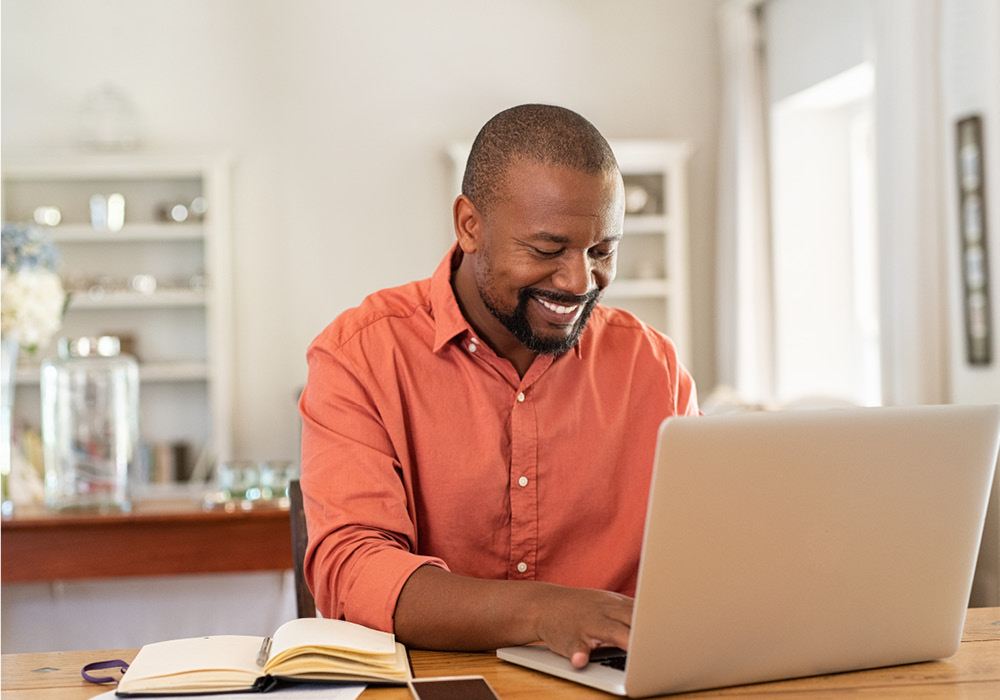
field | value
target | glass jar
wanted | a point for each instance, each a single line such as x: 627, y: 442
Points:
x: 90, y: 424
x: 275, y: 475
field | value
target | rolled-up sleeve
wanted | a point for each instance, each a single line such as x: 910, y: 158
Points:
x: 361, y: 531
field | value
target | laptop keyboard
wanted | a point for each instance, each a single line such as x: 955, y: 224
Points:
x: 611, y: 657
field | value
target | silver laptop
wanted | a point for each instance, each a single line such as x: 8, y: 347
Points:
x: 799, y: 543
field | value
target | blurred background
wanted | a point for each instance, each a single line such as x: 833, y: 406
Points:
x: 336, y: 117
x: 831, y: 254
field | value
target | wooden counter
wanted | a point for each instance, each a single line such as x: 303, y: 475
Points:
x: 156, y: 538
x: 972, y: 673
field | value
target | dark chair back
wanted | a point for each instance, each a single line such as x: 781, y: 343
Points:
x: 305, y: 605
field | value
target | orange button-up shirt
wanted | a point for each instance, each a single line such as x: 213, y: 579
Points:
x: 421, y: 446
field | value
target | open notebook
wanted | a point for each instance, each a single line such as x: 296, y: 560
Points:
x: 799, y: 543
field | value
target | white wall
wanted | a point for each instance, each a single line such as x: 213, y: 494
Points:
x: 337, y: 114
x: 970, y: 65
x: 811, y: 41
x: 127, y: 613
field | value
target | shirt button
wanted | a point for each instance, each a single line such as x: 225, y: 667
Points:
x: 472, y: 347
x: 520, y: 397
x: 522, y: 567
x: 523, y: 481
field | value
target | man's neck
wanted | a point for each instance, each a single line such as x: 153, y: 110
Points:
x: 487, y: 327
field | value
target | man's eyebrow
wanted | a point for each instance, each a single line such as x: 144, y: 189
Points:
x: 548, y: 237
x: 562, y: 240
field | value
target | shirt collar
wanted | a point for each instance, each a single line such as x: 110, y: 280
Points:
x: 448, y: 319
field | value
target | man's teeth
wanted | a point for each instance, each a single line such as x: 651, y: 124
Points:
x: 557, y: 308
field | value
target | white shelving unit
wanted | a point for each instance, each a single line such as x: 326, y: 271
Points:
x: 653, y: 260
x: 178, y: 320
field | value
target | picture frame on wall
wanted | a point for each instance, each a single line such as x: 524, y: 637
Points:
x: 973, y: 244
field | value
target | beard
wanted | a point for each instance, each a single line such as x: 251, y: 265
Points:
x: 518, y: 324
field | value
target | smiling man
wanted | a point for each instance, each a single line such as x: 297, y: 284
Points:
x: 537, y: 256
x: 477, y: 446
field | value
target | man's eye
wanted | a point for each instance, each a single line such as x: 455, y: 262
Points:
x: 546, y: 253
x: 602, y: 253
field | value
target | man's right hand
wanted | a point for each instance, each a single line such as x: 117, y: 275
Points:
x: 441, y: 610
x: 576, y: 621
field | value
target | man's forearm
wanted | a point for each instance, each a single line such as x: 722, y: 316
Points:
x: 441, y: 610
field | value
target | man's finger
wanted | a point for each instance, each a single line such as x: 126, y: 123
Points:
x: 579, y: 659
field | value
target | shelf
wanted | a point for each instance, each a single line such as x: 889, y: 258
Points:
x: 632, y: 289
x: 84, y: 300
x: 166, y: 372
x: 151, y: 372
x: 148, y: 232
x: 652, y: 223
x: 118, y: 166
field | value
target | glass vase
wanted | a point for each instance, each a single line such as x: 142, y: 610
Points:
x: 90, y: 424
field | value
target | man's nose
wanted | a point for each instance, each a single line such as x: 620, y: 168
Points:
x: 575, y: 274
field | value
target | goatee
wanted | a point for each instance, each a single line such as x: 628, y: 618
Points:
x: 518, y: 324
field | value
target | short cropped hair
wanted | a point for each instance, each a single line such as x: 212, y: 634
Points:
x: 536, y: 133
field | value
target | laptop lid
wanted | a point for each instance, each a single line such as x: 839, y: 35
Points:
x: 798, y: 543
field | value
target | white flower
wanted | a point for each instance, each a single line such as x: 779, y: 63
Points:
x: 31, y: 306
x: 32, y: 299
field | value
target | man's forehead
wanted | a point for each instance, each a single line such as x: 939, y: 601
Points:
x: 518, y: 162
x: 541, y: 172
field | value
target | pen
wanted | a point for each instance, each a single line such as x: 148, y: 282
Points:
x: 265, y: 649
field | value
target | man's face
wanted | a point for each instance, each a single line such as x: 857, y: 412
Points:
x: 548, y: 251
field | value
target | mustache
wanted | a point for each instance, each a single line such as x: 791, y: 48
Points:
x: 560, y: 298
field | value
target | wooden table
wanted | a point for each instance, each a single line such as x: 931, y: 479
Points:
x: 156, y: 538
x: 972, y: 673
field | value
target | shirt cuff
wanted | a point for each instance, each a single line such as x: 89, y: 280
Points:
x: 372, y: 599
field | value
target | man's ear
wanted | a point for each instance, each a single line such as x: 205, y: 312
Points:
x: 468, y: 224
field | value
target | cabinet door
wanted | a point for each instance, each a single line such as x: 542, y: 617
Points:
x: 653, y: 260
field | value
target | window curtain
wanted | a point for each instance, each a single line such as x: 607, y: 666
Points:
x: 912, y: 182
x: 743, y: 246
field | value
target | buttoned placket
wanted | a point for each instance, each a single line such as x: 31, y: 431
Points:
x: 523, y: 494
x: 524, y: 438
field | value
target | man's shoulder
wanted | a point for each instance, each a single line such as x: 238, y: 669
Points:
x: 616, y: 333
x: 378, y: 313
x: 625, y: 326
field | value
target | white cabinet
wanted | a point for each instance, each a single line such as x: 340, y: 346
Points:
x: 161, y: 285
x: 653, y: 261
x: 652, y: 279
